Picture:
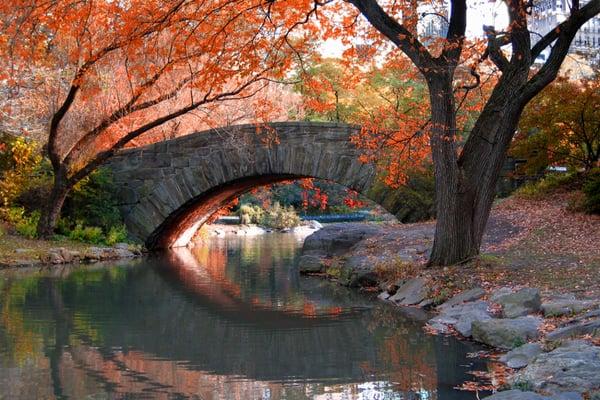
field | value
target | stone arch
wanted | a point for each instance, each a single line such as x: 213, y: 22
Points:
x: 168, y: 189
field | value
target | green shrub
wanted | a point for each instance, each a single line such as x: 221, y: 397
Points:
x: 28, y: 225
x: 88, y: 234
x: 536, y: 190
x: 25, y: 223
x: 279, y: 217
x: 116, y: 234
x: 92, y: 202
x: 591, y: 189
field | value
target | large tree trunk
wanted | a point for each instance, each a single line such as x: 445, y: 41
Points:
x: 51, y: 211
x: 466, y: 188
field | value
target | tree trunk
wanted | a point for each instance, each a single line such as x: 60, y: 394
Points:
x: 51, y: 211
x: 464, y: 202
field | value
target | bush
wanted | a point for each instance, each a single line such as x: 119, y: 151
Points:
x: 92, y: 202
x: 28, y: 225
x: 25, y: 224
x: 22, y: 168
x: 591, y: 189
x: 279, y: 217
x: 116, y: 234
x: 250, y: 214
x: 536, y: 190
x: 88, y: 234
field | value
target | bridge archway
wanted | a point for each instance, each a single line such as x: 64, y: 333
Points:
x: 169, y: 189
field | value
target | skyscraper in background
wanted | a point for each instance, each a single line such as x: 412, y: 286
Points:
x: 547, y: 14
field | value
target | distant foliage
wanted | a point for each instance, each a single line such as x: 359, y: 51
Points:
x: 251, y: 214
x: 591, y: 189
x: 561, y: 126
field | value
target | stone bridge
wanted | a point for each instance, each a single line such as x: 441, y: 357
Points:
x: 169, y: 189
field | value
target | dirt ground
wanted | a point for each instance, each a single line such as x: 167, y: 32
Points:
x: 538, y: 243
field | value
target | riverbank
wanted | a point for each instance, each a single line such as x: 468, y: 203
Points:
x: 17, y: 251
x: 534, y: 290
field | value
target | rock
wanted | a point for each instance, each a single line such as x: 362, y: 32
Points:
x: 520, y: 303
x: 591, y: 327
x: 97, y: 254
x: 463, y: 297
x: 337, y: 239
x: 383, y: 296
x: 506, y: 333
x: 53, y: 256
x: 567, y: 396
x: 503, y: 291
x: 522, y: 355
x: 69, y: 256
x: 560, y: 307
x: 410, y: 293
x: 572, y: 367
x: 461, y: 317
x: 515, y: 395
x: 591, y: 314
x: 427, y: 303
x: 122, y: 253
x: 360, y: 272
x: 519, y: 395
x: 123, y: 246
x: 314, y: 224
x: 22, y: 251
x: 310, y: 263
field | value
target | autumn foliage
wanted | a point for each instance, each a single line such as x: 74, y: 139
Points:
x: 561, y: 127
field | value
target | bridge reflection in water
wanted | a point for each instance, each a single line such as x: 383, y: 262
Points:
x: 232, y: 320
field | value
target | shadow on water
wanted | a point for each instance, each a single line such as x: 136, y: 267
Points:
x: 231, y: 320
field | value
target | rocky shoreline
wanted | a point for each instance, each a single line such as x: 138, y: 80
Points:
x: 550, y: 342
x: 64, y: 255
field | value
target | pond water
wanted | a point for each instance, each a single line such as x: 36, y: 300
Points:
x: 231, y: 320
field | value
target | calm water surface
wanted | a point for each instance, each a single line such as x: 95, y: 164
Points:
x: 232, y: 320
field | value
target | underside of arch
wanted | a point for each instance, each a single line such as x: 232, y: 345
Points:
x: 179, y: 227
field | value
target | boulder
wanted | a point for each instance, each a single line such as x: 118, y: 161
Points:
x: 52, y: 256
x: 360, y: 271
x: 515, y: 395
x: 580, y: 328
x: 411, y: 292
x: 314, y: 224
x: 506, y: 333
x: 122, y: 253
x: 383, y: 295
x: 461, y: 317
x: 522, y: 302
x: 519, y: 395
x: 572, y: 367
x: 97, y: 254
x: 464, y: 297
x: 69, y: 255
x: 310, y: 263
x: 522, y: 355
x: 503, y: 291
x: 567, y: 305
x: 337, y: 239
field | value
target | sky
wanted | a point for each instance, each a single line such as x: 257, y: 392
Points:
x: 479, y: 13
